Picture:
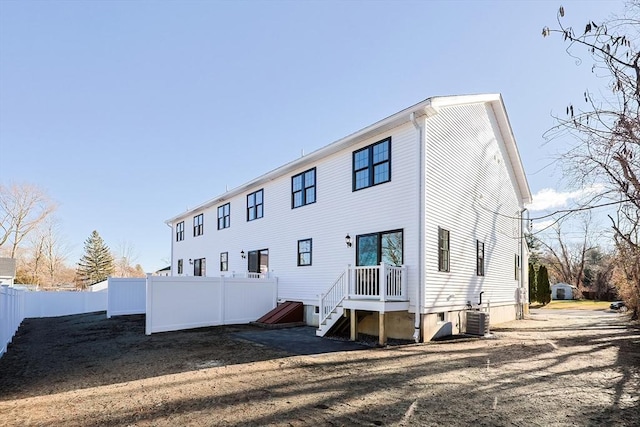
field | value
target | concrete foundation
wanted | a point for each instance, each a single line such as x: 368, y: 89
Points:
x: 400, y: 324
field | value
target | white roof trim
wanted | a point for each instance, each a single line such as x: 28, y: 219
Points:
x: 426, y: 107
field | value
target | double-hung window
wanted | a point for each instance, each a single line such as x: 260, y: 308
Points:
x: 198, y: 225
x: 372, y: 165
x: 254, y: 205
x: 304, y: 252
x: 303, y: 188
x: 443, y: 249
x: 180, y: 231
x: 224, y: 216
x: 224, y: 261
x: 479, y: 258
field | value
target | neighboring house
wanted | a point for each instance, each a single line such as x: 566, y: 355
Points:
x: 562, y: 291
x: 436, y: 192
x: 163, y: 272
x: 7, y: 271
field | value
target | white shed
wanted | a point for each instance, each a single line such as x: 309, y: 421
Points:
x: 562, y: 291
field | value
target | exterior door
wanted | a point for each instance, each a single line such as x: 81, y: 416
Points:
x: 258, y: 261
x: 374, y: 248
x: 371, y: 250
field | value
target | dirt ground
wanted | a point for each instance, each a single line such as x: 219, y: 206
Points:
x: 556, y: 368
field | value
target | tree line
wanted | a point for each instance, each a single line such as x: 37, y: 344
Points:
x: 603, y: 126
x: 31, y: 234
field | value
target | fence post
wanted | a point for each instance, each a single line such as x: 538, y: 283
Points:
x: 149, y: 305
x: 4, y: 318
x: 223, y: 284
x: 109, y: 297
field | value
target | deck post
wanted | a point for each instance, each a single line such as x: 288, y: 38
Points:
x: 382, y: 332
x: 354, y: 325
x: 382, y: 281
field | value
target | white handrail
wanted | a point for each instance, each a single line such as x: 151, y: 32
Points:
x: 334, y: 296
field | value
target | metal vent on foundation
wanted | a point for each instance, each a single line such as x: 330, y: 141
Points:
x: 477, y: 323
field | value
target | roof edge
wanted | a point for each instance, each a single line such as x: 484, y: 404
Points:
x: 422, y: 108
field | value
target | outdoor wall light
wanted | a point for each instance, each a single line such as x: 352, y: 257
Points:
x: 347, y: 240
x: 190, y: 261
x: 242, y: 254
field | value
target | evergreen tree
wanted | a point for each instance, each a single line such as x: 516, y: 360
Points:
x: 97, y: 262
x: 543, y: 288
x: 532, y: 284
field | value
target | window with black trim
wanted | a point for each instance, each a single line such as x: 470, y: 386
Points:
x: 180, y: 231
x: 479, y: 258
x: 198, y: 225
x: 254, y: 205
x: 199, y: 267
x: 180, y: 267
x: 224, y: 216
x: 443, y: 249
x: 517, y: 267
x: 303, y: 188
x: 224, y: 261
x: 372, y: 165
x: 304, y: 252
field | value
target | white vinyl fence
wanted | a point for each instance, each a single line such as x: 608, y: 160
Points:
x: 53, y: 304
x: 175, y: 303
x: 11, y: 314
x: 126, y: 296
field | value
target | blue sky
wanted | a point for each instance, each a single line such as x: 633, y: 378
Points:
x: 129, y: 112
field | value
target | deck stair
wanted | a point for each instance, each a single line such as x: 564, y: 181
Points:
x: 371, y: 288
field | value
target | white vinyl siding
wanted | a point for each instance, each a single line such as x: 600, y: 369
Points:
x: 469, y: 192
x: 340, y: 211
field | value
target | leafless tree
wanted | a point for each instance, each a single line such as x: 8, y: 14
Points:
x: 42, y: 262
x: 125, y: 256
x: 605, y: 127
x: 22, y: 208
x: 567, y: 257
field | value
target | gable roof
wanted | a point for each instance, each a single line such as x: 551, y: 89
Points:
x: 427, y: 107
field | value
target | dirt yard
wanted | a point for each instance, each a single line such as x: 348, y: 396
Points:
x: 557, y: 368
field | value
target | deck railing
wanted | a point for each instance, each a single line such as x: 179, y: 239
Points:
x: 251, y: 275
x: 363, y: 282
x: 367, y: 284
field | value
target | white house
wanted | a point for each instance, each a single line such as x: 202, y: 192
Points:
x: 430, y: 199
x: 7, y: 271
x: 163, y: 271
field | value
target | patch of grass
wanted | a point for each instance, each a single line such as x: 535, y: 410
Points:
x: 577, y: 305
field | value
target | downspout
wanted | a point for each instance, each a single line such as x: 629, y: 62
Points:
x: 420, y: 284
x: 522, y: 290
